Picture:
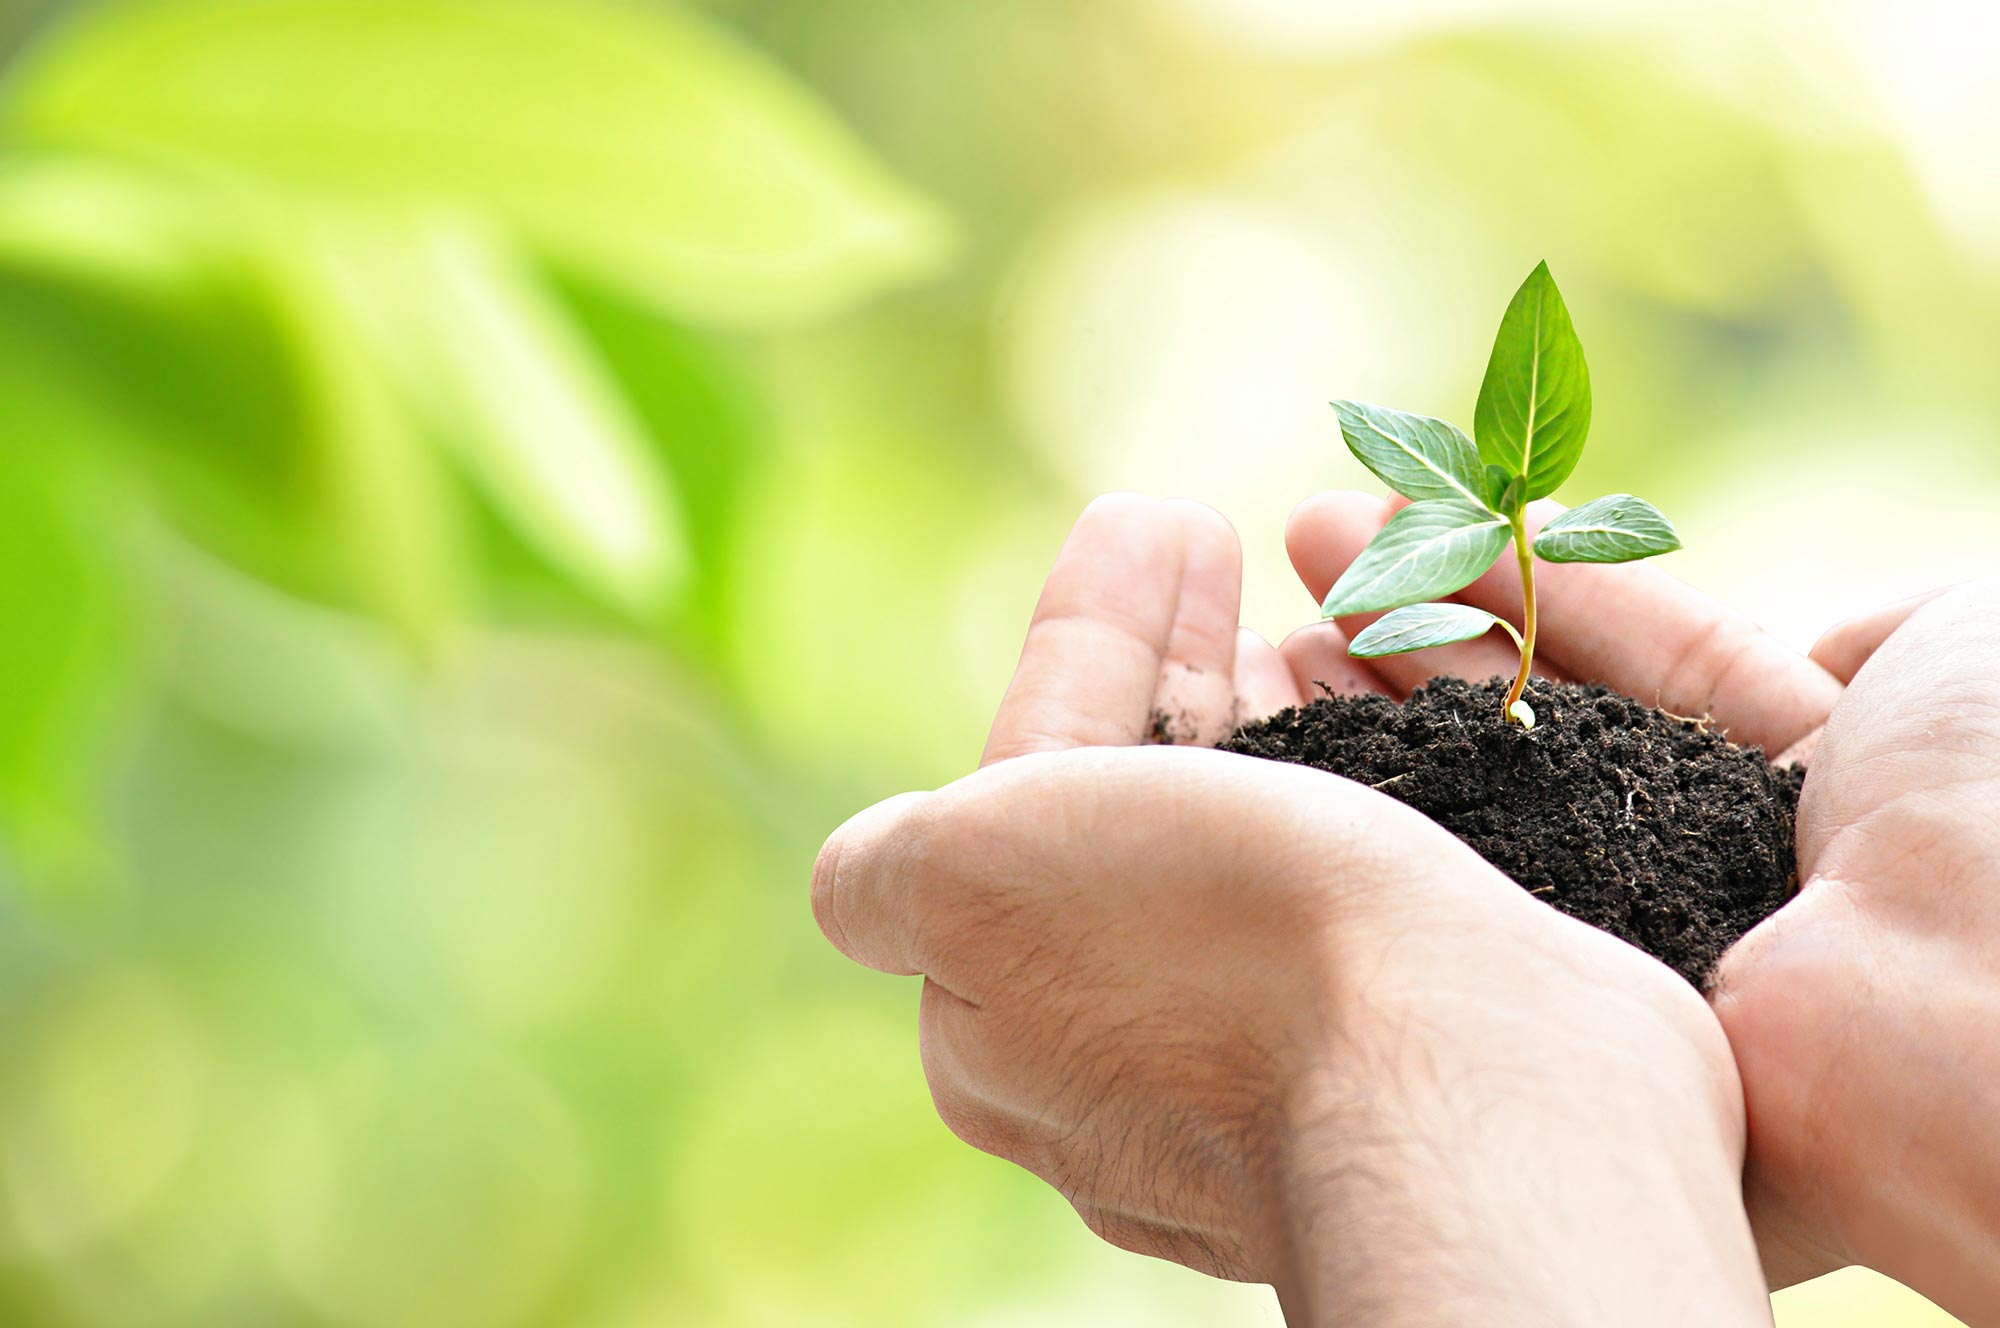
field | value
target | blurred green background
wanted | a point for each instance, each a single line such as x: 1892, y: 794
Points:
x: 488, y: 483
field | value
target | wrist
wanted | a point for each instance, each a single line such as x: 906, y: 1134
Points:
x: 1535, y: 1150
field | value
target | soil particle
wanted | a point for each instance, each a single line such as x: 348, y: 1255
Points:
x: 1651, y: 826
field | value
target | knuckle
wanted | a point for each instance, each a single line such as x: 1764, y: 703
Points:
x: 1709, y: 658
x: 826, y: 871
x: 1203, y: 522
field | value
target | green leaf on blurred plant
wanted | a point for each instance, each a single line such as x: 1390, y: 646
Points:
x: 698, y: 398
x: 1415, y: 455
x: 639, y: 142
x: 1419, y: 627
x: 1616, y: 529
x: 1534, y: 405
x: 1427, y: 549
x: 380, y: 485
x: 495, y: 367
x: 65, y: 659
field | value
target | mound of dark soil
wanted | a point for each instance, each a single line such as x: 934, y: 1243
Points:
x: 1653, y: 827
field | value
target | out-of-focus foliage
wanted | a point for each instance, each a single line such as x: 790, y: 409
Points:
x: 485, y: 484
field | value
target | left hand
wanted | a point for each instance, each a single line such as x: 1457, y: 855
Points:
x: 1171, y: 914
x: 1279, y: 1027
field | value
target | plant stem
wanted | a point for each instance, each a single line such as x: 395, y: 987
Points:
x: 1525, y: 552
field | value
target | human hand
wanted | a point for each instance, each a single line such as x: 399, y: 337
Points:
x: 1803, y: 992
x: 1863, y: 1013
x: 1277, y: 1026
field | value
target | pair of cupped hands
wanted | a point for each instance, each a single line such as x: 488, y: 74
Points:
x: 1278, y: 1027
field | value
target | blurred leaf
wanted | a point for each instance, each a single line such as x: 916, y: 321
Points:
x: 1419, y: 627
x: 381, y: 484
x: 497, y: 369
x: 1534, y: 407
x: 62, y: 644
x: 101, y: 221
x: 701, y: 409
x: 1617, y: 529
x: 1415, y: 455
x: 1428, y: 549
x: 637, y: 141
x: 143, y: 317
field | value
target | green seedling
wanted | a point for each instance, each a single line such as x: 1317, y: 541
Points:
x: 1469, y: 500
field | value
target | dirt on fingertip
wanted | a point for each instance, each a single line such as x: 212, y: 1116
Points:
x: 1651, y: 826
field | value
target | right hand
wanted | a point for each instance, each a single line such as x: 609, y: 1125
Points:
x: 1862, y: 1014
x: 1866, y: 1014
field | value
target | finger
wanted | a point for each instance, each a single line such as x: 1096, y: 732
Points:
x: 863, y: 885
x: 1091, y: 666
x: 1911, y: 749
x: 1327, y: 532
x: 1801, y: 752
x: 1845, y: 648
x: 1195, y: 699
x: 1264, y: 682
x: 1317, y: 656
x: 1633, y: 627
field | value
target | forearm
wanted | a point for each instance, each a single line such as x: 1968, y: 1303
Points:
x: 1535, y: 1195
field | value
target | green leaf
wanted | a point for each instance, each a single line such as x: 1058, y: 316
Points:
x: 1617, y: 529
x: 1420, y: 627
x: 1506, y: 494
x: 499, y: 372
x: 1534, y: 407
x: 1415, y: 455
x: 387, y: 499
x: 639, y: 142
x: 1428, y: 549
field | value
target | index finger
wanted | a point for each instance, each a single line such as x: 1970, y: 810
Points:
x: 1139, y: 611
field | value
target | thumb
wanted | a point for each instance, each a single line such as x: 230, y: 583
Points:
x: 864, y: 884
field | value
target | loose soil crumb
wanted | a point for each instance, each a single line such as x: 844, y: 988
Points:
x: 1653, y: 827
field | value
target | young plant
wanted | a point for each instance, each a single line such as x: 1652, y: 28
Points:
x: 1469, y: 499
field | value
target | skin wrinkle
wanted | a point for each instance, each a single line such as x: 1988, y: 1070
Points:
x: 1906, y: 842
x: 1066, y: 722
x: 1713, y: 654
x: 826, y: 871
x: 1354, y: 1190
x: 1828, y: 1074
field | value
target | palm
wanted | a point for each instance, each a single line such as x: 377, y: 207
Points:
x: 1843, y: 1007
